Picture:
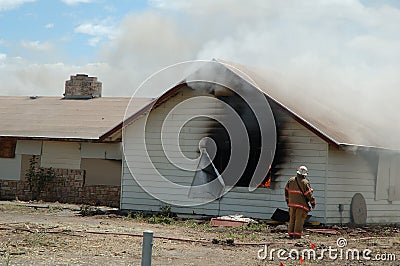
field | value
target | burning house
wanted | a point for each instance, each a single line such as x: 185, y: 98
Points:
x: 223, y: 140
x: 183, y: 150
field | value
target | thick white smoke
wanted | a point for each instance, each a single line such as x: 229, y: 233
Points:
x: 340, y: 55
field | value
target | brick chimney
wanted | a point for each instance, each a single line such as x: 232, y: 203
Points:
x: 81, y: 86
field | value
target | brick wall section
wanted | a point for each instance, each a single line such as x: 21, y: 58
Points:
x: 82, y: 85
x: 68, y: 187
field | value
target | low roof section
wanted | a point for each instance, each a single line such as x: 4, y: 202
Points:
x: 56, y: 118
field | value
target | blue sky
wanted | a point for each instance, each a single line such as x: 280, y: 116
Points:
x: 71, y: 29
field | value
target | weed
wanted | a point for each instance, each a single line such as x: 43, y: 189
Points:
x: 38, y: 177
x: 87, y: 210
x: 387, y: 232
x: 166, y: 211
x: 54, y: 209
x: 7, y: 259
x: 139, y: 216
x: 256, y: 227
x: 156, y: 219
x: 165, y: 216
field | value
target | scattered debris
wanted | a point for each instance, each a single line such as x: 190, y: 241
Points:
x: 17, y: 253
x: 230, y: 241
x: 232, y: 220
x: 59, y: 234
x: 215, y: 241
x: 283, y: 216
x: 280, y: 228
x: 272, y: 222
x: 323, y: 231
x: 280, y: 215
x: 313, y: 223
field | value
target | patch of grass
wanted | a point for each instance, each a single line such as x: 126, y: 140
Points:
x: 165, y: 216
x: 166, y: 211
x: 139, y: 216
x: 155, y: 219
x: 87, y: 210
x: 251, y: 232
x: 195, y: 224
x: 13, y: 207
x: 41, y: 240
x: 54, y: 209
x: 256, y: 227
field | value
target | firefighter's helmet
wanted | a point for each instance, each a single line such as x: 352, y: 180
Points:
x: 302, y: 170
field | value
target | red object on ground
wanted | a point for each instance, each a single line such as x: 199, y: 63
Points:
x: 231, y: 223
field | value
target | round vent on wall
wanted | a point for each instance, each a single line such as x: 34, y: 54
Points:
x: 358, y: 209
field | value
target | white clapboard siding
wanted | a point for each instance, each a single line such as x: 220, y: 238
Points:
x: 348, y: 174
x: 388, y: 177
x: 137, y: 164
x: 133, y: 197
x: 31, y: 147
x: 383, y: 177
x: 10, y: 168
x: 65, y: 155
x: 394, y: 181
x: 300, y: 147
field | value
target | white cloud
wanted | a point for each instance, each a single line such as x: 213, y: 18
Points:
x: 49, y: 26
x: 102, y: 30
x: 75, y: 2
x: 110, y: 8
x: 37, y: 45
x: 12, y: 4
x: 22, y: 77
x: 94, y: 29
x: 94, y: 41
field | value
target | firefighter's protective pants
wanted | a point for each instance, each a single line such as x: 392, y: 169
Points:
x: 296, y: 222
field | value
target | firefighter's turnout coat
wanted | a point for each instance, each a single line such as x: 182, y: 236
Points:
x: 294, y: 193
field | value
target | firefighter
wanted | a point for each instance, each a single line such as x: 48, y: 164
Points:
x: 298, y: 194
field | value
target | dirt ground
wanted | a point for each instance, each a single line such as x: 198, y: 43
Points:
x: 57, y: 234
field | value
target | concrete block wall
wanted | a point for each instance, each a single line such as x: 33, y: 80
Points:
x: 68, y: 187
